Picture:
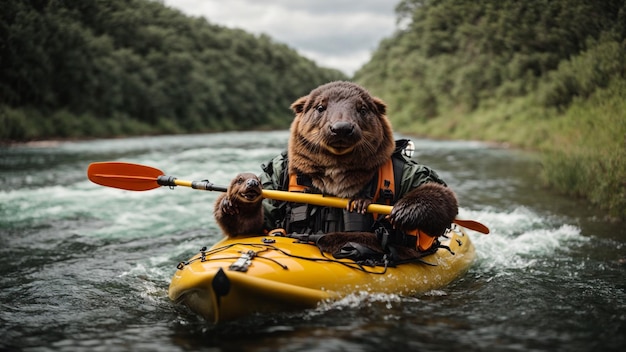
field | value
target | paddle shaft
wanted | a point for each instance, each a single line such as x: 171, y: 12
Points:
x: 295, y: 197
x: 314, y: 199
x: 322, y: 200
x: 204, y: 185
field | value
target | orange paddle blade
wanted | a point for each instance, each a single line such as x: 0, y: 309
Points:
x: 132, y: 177
x: 472, y: 225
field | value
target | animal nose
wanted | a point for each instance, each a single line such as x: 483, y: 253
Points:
x: 342, y: 129
x: 252, y: 183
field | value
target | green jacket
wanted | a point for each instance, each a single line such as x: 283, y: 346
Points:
x: 275, y: 177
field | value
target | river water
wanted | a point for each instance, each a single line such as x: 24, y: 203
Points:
x: 86, y: 268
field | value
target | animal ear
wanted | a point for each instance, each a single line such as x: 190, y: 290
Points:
x: 380, y: 105
x: 298, y: 105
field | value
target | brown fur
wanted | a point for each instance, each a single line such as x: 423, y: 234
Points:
x: 240, y: 211
x: 340, y: 137
x: 430, y: 207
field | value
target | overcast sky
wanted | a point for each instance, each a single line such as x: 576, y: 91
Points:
x: 340, y: 34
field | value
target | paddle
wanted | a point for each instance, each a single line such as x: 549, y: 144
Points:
x: 135, y: 177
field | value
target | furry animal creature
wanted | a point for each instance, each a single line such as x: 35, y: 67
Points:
x: 340, y: 137
x: 239, y: 211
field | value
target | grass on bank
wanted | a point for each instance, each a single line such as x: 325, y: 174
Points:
x: 583, y: 147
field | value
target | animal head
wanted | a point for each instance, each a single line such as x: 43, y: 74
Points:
x: 339, y: 117
x: 246, y: 188
x: 339, y: 125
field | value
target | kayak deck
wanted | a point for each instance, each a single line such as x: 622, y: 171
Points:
x: 251, y: 274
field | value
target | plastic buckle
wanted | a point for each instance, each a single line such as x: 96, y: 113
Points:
x: 243, y: 262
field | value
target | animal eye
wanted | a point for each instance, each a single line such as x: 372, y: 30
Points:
x: 240, y: 180
x: 363, y: 110
x: 320, y: 108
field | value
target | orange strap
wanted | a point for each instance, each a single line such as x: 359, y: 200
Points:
x: 385, y: 182
x: 294, y: 186
x: 423, y: 241
x: 385, y: 179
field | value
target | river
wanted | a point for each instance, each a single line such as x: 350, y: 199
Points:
x: 86, y: 268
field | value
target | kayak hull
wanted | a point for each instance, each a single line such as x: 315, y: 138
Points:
x: 245, y: 275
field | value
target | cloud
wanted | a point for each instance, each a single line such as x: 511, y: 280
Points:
x: 341, y: 34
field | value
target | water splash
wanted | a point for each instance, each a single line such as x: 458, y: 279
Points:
x: 520, y: 238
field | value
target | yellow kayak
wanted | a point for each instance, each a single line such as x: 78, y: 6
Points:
x: 252, y: 274
x: 244, y: 275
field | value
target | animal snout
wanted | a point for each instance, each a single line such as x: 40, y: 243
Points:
x: 252, y: 183
x: 342, y: 129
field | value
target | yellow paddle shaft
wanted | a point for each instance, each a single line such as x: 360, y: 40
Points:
x: 336, y: 202
x: 317, y: 199
x: 322, y: 200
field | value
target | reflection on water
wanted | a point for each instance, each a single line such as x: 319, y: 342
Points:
x: 85, y: 267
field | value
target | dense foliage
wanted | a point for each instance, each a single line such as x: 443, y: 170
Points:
x: 549, y: 75
x: 118, y: 67
x: 458, y: 54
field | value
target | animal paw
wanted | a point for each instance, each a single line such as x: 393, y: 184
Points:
x: 358, y: 205
x: 401, y: 219
x: 431, y: 208
x: 228, y: 207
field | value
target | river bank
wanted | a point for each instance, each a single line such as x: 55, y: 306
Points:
x: 582, y: 148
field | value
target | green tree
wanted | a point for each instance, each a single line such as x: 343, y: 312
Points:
x: 136, y: 66
x: 548, y: 75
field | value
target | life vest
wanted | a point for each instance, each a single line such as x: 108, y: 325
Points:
x: 388, y: 181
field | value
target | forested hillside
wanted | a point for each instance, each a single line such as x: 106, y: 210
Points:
x: 102, y: 68
x: 548, y: 75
